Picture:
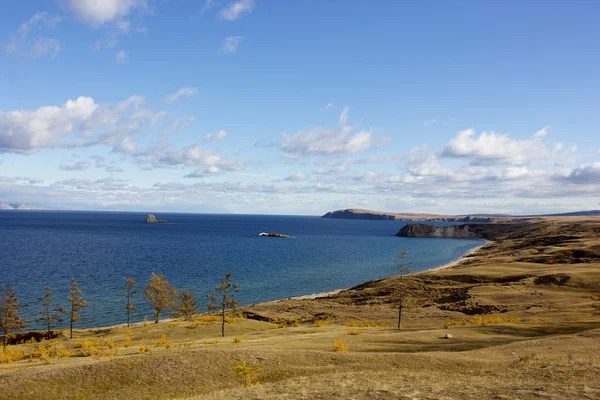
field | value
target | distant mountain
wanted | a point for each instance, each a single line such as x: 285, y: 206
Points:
x: 6, y: 206
x: 356, y: 213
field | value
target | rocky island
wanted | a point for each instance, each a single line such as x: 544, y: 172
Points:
x: 357, y: 213
x: 275, y: 234
x: 151, y: 219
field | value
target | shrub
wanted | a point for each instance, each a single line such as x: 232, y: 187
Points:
x: 338, y: 345
x: 164, y: 342
x: 9, y: 355
x: 322, y: 322
x: 247, y: 373
x: 143, y: 348
x: 353, y: 333
x: 214, y: 341
x: 479, y: 320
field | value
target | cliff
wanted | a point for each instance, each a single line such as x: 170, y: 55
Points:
x: 434, y: 231
x: 151, y: 219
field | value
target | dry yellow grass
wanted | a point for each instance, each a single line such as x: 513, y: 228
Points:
x: 533, y: 333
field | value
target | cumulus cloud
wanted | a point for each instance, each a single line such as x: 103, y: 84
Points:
x: 215, y: 137
x: 79, y: 166
x: 231, y: 43
x: 113, y: 168
x: 183, y: 92
x: 585, y: 174
x: 327, y: 141
x: 493, y: 148
x: 237, y: 9
x: 21, y: 45
x: 98, y: 13
x: 76, y: 123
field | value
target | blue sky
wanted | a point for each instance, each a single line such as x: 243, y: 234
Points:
x: 276, y: 107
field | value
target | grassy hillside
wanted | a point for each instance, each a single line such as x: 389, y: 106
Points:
x: 520, y: 310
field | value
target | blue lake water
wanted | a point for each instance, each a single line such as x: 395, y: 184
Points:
x: 194, y: 251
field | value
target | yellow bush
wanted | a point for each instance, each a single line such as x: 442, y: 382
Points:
x: 353, y: 333
x: 338, y: 345
x: 10, y: 355
x: 479, y: 320
x: 174, y: 324
x: 540, y: 319
x: 231, y: 321
x: 247, y: 373
x: 237, y: 339
x: 214, y: 341
x: 322, y: 322
x: 143, y: 348
x: 164, y: 342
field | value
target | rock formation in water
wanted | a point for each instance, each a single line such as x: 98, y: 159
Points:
x: 435, y: 231
x: 151, y: 219
x: 275, y: 234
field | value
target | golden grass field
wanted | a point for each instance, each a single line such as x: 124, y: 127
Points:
x: 520, y: 310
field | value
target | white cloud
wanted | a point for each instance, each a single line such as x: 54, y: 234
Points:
x: 21, y: 45
x: 327, y: 141
x: 215, y: 137
x: 113, y: 168
x: 585, y: 174
x: 123, y: 26
x: 542, y: 132
x: 297, y: 177
x: 98, y: 12
x: 493, y: 148
x: 237, y: 9
x: 80, y: 166
x: 430, y: 122
x: 179, y: 125
x: 183, y: 92
x: 122, y: 57
x: 231, y: 43
x: 328, y: 106
x: 76, y: 123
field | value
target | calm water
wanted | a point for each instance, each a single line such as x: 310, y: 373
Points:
x: 194, y: 251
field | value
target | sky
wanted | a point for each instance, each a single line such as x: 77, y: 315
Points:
x: 300, y: 107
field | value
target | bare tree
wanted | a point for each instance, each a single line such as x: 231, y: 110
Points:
x: 160, y: 294
x: 402, y: 292
x: 50, y: 314
x: 186, y: 306
x: 129, y: 292
x: 223, y: 298
x: 77, y: 304
x: 10, y: 320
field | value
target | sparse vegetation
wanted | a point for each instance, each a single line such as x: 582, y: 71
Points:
x: 319, y: 323
x: 224, y: 298
x: 402, y: 294
x: 51, y: 314
x: 77, y: 305
x: 479, y: 320
x: 10, y: 320
x: 160, y: 294
x: 247, y: 373
x: 186, y: 306
x: 129, y: 292
x: 339, y: 345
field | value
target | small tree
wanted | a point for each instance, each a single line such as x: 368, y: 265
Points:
x: 50, y: 314
x: 186, y: 306
x: 10, y: 320
x: 129, y: 292
x: 160, y: 294
x: 402, y: 292
x: 77, y: 304
x: 223, y: 298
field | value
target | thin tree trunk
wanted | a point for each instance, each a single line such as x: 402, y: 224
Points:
x: 4, y: 340
x: 128, y: 317
x: 399, y: 315
x: 71, y: 324
x: 156, y: 315
x: 223, y: 323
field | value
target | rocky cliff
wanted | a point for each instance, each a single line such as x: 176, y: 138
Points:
x: 435, y: 231
x: 151, y: 219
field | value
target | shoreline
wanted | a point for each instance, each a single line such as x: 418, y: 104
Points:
x: 312, y: 296
x: 440, y: 267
